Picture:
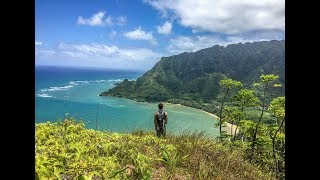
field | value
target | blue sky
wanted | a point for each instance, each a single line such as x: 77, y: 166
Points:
x: 135, y: 34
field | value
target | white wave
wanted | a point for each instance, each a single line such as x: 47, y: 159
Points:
x: 119, y: 80
x: 56, y: 88
x: 62, y: 88
x: 73, y: 83
x: 83, y: 82
x: 43, y: 95
x: 99, y: 81
x: 110, y: 80
x: 115, y: 80
x: 76, y: 83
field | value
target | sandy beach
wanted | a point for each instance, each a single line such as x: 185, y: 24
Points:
x: 227, y: 126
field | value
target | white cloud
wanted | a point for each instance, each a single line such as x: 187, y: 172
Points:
x: 97, y: 55
x: 121, y: 20
x: 38, y: 43
x: 165, y: 28
x: 195, y: 43
x: 138, y: 54
x: 108, y: 20
x: 100, y: 19
x: 139, y: 34
x: 225, y: 16
x: 45, y: 52
x: 74, y: 54
x: 97, y: 19
x: 87, y: 50
x: 100, y: 51
x: 162, y: 6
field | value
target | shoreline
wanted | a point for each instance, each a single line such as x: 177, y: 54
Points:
x: 227, y: 126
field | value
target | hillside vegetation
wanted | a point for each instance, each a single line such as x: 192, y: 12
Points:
x: 67, y: 150
x: 243, y: 84
x: 259, y: 117
x: 192, y: 79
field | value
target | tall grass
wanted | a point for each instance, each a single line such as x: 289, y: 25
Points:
x: 67, y: 150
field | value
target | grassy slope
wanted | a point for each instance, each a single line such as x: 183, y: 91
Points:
x: 68, y: 150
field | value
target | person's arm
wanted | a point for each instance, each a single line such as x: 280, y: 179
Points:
x: 166, y: 117
x: 155, y: 119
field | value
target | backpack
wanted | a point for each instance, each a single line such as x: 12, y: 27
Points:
x: 160, y: 118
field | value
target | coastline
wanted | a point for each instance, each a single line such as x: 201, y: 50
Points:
x: 227, y: 126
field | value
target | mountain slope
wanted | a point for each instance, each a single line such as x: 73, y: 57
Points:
x: 193, y: 77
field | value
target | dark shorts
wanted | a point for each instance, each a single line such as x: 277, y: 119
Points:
x: 161, y: 130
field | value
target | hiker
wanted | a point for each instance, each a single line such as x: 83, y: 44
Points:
x: 160, y: 121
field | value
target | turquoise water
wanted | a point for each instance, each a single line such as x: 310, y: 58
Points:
x: 70, y: 92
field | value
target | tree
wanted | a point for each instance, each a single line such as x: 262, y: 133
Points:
x: 244, y: 98
x: 247, y: 128
x: 232, y: 113
x: 277, y: 110
x: 226, y: 84
x: 266, y: 82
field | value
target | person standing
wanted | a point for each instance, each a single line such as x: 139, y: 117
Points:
x: 160, y: 121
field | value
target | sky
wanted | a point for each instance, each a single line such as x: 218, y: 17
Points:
x: 135, y: 34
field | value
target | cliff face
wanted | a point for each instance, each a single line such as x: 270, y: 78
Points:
x: 196, y: 75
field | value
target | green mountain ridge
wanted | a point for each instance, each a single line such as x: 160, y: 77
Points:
x: 192, y: 79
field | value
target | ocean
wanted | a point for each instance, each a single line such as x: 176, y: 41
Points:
x: 62, y: 92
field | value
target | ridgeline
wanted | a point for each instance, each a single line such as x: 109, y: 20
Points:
x: 192, y: 79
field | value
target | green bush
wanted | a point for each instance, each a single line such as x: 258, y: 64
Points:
x: 67, y: 150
